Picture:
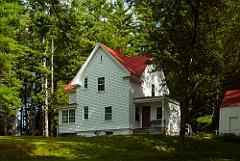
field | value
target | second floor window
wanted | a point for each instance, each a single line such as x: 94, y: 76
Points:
x: 153, y: 90
x: 101, y: 84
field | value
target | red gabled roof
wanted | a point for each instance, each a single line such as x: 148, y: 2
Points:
x: 135, y: 64
x: 69, y: 86
x: 231, y: 98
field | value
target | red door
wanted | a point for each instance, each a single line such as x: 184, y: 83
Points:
x: 145, y: 116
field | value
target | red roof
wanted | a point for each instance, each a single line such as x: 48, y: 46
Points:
x: 69, y: 86
x: 231, y: 98
x: 135, y: 64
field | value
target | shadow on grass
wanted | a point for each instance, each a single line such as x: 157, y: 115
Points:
x: 117, y: 148
x: 21, y: 148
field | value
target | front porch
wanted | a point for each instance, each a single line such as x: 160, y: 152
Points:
x: 156, y: 127
x: 157, y: 115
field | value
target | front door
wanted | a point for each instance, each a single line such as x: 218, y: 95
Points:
x: 145, y: 116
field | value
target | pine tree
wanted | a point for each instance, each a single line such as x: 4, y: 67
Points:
x: 11, y: 23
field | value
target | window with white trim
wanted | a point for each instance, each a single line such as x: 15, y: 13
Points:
x: 101, y: 84
x: 108, y: 113
x: 68, y: 116
x: 153, y: 90
x: 85, y: 83
x: 136, y: 113
x: 159, y: 113
x: 65, y: 116
x: 85, y: 112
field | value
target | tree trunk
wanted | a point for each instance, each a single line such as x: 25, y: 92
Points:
x: 14, y: 124
x: 21, y: 120
x: 52, y: 90
x: 45, y: 90
x: 45, y: 100
x: 180, y: 144
x: 5, y: 123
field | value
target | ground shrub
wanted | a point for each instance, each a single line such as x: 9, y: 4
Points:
x: 202, y: 135
x: 228, y: 137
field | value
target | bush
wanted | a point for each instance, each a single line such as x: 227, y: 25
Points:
x: 203, y: 134
x: 228, y: 137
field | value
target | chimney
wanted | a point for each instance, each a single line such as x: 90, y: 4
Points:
x: 119, y: 50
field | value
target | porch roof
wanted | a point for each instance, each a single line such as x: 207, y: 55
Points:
x: 153, y: 99
x: 67, y: 105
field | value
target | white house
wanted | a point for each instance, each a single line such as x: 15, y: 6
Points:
x: 114, y: 94
x: 229, y: 119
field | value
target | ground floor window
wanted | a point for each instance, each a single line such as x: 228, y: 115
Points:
x: 68, y: 116
x: 108, y: 113
x: 136, y: 113
x: 109, y: 133
x: 86, y: 112
x: 159, y: 113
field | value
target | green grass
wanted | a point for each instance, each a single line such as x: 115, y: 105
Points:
x: 115, y: 148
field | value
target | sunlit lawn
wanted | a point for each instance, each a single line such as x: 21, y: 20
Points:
x: 115, y: 148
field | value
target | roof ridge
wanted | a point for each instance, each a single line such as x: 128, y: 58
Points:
x: 128, y: 63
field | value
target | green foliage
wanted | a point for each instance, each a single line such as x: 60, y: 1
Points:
x: 203, y: 135
x: 10, y: 24
x: 205, y: 119
x: 228, y: 137
x: 60, y: 96
x: 186, y: 41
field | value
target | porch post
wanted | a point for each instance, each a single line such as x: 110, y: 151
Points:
x: 163, y: 124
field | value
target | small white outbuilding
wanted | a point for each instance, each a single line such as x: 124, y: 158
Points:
x: 229, y: 119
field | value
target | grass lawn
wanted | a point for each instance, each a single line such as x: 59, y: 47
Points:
x: 115, y: 148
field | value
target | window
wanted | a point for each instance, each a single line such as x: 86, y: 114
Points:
x: 137, y: 114
x: 101, y: 84
x: 71, y: 116
x: 109, y: 133
x: 86, y: 112
x: 108, y: 113
x: 68, y: 116
x: 153, y: 90
x: 159, y: 113
x: 85, y: 83
x: 65, y: 116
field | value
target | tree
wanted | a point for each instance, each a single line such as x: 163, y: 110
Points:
x: 11, y: 23
x: 184, y: 41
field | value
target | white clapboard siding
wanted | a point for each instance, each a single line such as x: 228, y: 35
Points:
x: 156, y: 78
x: 135, y: 92
x: 116, y: 95
x: 229, y: 121
x: 72, y: 97
x: 173, y: 120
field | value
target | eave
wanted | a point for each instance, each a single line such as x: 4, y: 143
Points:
x: 73, y: 105
x: 153, y: 99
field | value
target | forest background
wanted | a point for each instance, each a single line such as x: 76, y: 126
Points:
x: 44, y: 43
